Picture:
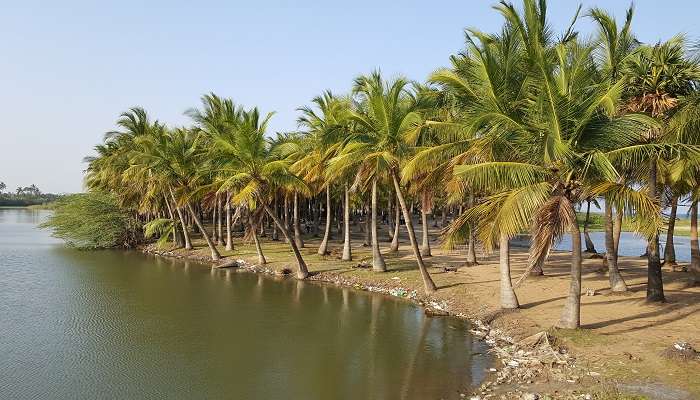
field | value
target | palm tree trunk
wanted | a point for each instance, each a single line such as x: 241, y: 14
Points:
x: 229, y: 238
x: 220, y: 221
x: 590, y: 247
x: 378, y: 263
x: 302, y: 270
x: 443, y: 218
x: 655, y: 286
x: 215, y: 256
x: 214, y: 236
x: 471, y: 246
x: 258, y: 246
x: 471, y: 241
x: 617, y: 284
x: 285, y: 213
x: 425, y: 246
x: 694, y: 248
x: 617, y: 230
x: 317, y: 217
x: 669, y: 250
x: 397, y: 227
x: 185, y: 233
x: 427, y: 280
x: 508, y: 298
x: 347, y: 250
x: 323, y: 248
x: 275, y: 234
x: 297, y: 227
x: 390, y: 217
x: 571, y: 315
x: 177, y: 238
x: 368, y: 227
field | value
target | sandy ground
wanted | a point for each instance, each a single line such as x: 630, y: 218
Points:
x: 622, y: 336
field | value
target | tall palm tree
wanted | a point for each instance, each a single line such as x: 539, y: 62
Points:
x: 657, y: 76
x: 324, y: 125
x: 387, y: 121
x: 254, y: 174
x: 178, y: 154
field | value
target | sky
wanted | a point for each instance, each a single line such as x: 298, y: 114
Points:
x: 69, y: 68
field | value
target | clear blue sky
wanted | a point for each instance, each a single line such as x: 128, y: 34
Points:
x: 69, y: 68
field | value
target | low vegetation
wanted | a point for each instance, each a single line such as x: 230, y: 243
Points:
x: 93, y: 221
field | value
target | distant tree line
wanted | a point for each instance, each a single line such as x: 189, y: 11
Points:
x: 24, y: 196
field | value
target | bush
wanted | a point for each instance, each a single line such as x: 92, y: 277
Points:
x: 93, y: 221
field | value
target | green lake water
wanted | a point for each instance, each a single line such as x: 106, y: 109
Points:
x: 123, y: 325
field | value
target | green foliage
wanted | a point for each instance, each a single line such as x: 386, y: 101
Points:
x: 163, y: 228
x: 93, y: 221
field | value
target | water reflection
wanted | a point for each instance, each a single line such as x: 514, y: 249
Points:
x: 135, y: 326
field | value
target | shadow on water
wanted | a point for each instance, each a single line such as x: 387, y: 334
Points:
x: 117, y: 324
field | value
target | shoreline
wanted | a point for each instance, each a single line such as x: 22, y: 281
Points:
x: 506, y: 377
x: 618, y: 350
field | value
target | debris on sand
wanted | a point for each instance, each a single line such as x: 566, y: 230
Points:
x: 534, y: 358
x: 681, y: 351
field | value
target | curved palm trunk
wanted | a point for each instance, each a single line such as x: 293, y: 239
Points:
x: 323, y: 248
x: 302, y: 270
x: 214, y: 252
x: 297, y: 227
x: 617, y: 284
x: 590, y: 247
x: 229, y: 238
x: 427, y: 280
x: 258, y: 246
x: 571, y: 315
x: 694, y: 248
x: 655, y: 286
x: 185, y: 233
x: 425, y: 246
x: 508, y: 298
x: 397, y: 227
x: 347, y: 250
x: 669, y: 250
x: 378, y: 263
x: 177, y: 238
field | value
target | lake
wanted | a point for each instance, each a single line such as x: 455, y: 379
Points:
x: 632, y: 245
x: 123, y: 325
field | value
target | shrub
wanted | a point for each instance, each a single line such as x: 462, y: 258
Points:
x: 93, y: 221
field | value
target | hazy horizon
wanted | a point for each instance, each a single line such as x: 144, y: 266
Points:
x: 74, y: 67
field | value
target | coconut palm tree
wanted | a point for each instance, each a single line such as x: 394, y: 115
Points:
x: 556, y: 147
x: 657, y: 76
x: 178, y: 154
x: 387, y: 121
x: 254, y: 174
